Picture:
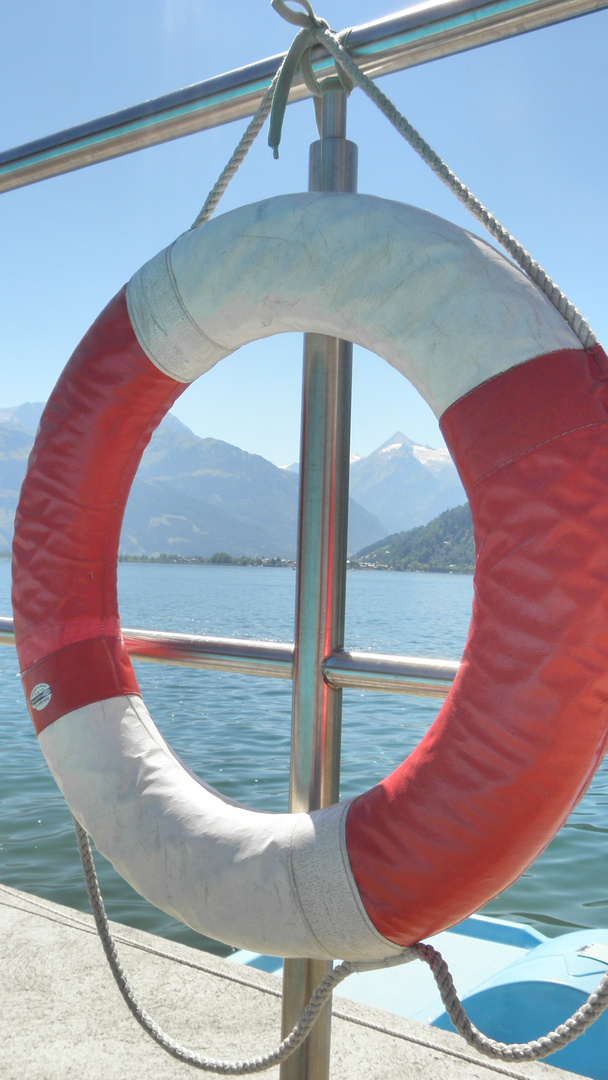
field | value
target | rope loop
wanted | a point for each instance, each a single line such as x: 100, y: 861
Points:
x: 299, y: 46
x: 565, y: 1033
x: 313, y: 30
x: 298, y: 18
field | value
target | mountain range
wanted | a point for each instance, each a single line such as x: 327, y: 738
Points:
x: 196, y: 496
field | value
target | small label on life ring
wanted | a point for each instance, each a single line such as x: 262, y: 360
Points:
x: 40, y: 696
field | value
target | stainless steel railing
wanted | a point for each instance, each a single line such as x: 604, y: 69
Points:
x: 421, y: 33
x: 343, y: 669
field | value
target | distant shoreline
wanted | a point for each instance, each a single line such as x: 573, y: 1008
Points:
x: 352, y: 564
x: 220, y: 558
x: 244, y: 560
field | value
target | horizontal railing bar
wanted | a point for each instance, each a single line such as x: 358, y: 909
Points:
x: 274, y: 659
x: 390, y: 674
x: 428, y: 31
x: 237, y: 655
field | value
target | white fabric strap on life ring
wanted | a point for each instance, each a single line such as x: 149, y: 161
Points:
x: 356, y: 881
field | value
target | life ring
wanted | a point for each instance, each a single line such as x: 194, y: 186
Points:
x: 526, y: 722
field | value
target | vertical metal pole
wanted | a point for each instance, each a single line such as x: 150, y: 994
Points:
x: 321, y: 583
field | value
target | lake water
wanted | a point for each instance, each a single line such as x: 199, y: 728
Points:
x: 234, y: 731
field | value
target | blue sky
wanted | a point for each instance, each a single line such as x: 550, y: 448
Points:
x: 522, y: 122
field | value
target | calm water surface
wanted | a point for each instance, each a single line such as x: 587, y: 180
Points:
x: 234, y: 732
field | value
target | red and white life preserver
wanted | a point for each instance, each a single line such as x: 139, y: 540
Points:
x: 523, y: 409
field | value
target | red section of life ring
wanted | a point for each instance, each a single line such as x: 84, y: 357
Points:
x: 526, y: 723
x: 96, y: 425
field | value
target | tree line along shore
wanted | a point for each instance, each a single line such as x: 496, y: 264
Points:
x: 444, y: 546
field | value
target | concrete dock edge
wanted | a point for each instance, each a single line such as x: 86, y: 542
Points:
x: 62, y: 1016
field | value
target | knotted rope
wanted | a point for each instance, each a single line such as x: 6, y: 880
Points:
x: 275, y: 100
x: 299, y: 57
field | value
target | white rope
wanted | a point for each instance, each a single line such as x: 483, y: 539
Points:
x: 300, y: 1032
x: 238, y: 156
x: 575, y: 1025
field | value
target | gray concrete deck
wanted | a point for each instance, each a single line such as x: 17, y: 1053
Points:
x: 62, y: 1017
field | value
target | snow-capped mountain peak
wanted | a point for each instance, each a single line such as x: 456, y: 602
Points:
x: 405, y: 484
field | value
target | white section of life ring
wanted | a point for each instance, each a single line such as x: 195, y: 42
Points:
x: 281, y: 883
x: 442, y: 306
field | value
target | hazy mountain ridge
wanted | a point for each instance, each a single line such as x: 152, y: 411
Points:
x: 197, y: 496
x: 191, y: 496
x: 26, y: 416
x: 245, y: 486
x: 161, y: 520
